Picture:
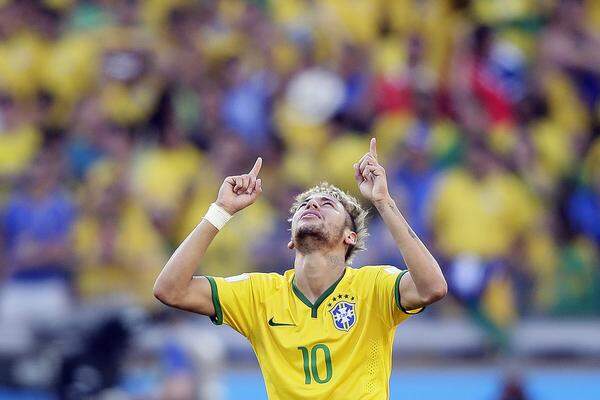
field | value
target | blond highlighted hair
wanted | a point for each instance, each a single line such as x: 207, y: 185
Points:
x: 357, y: 216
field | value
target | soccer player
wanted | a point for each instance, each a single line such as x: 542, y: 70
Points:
x: 322, y: 330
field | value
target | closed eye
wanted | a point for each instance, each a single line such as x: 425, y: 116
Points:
x: 326, y: 202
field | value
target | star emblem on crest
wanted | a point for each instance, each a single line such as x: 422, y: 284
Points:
x: 341, y: 296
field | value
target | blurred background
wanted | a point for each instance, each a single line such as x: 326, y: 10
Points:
x: 120, y: 118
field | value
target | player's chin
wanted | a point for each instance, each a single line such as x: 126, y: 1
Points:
x: 309, y: 228
x: 309, y: 221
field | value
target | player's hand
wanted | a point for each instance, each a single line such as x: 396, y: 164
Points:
x: 238, y: 192
x: 370, y: 175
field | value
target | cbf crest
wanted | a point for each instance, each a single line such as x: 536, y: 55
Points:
x: 343, y: 312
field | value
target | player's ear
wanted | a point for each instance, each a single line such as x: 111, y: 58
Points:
x: 350, y: 237
x: 291, y: 245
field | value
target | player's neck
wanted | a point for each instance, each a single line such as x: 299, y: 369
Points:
x: 317, y: 271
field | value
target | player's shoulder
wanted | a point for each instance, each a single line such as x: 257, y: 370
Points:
x: 372, y: 271
x: 369, y: 276
x: 267, y: 280
x: 256, y: 278
x: 372, y: 279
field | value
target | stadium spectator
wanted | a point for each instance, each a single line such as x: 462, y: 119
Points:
x: 571, y: 46
x: 584, y: 205
x: 480, y: 208
x: 36, y: 225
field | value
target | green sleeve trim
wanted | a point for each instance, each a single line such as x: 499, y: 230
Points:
x: 218, y: 318
x: 397, y: 295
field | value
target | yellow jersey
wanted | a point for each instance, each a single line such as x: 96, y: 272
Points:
x: 340, y: 347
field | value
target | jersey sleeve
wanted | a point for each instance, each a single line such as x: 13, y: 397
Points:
x: 387, y: 296
x: 235, y: 301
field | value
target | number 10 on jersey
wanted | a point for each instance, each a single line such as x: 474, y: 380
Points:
x: 310, y: 363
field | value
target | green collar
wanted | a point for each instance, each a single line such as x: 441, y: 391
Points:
x: 322, y: 297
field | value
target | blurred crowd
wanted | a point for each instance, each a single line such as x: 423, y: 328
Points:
x: 120, y: 118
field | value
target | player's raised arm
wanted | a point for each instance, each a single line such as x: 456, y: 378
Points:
x: 425, y: 283
x: 176, y: 285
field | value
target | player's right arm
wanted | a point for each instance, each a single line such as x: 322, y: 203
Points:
x: 176, y: 285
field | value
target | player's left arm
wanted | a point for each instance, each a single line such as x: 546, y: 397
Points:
x: 424, y: 283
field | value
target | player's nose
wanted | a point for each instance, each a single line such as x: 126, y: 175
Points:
x: 312, y: 203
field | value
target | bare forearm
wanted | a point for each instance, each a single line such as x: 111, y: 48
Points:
x: 175, y: 285
x: 177, y: 274
x: 423, y: 267
x: 425, y: 283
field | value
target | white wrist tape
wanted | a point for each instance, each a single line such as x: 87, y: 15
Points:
x: 217, y: 216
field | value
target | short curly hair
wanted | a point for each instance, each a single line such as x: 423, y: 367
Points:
x: 357, y: 216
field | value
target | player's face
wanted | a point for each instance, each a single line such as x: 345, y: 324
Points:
x: 320, y: 217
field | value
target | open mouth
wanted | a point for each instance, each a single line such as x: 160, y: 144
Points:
x: 310, y: 214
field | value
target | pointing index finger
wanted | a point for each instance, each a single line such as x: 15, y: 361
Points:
x: 256, y: 168
x: 373, y: 147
